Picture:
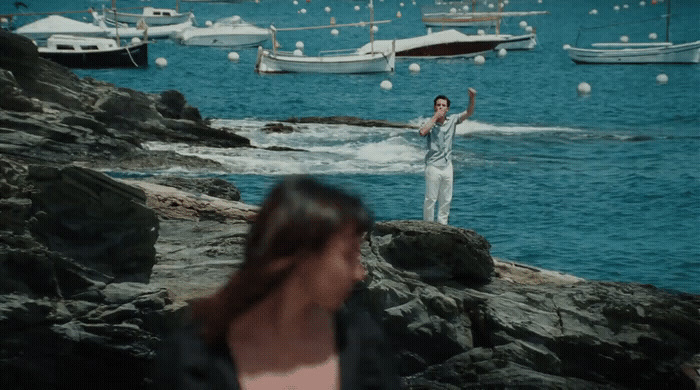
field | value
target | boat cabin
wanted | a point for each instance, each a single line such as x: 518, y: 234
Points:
x: 150, y: 11
x: 76, y: 43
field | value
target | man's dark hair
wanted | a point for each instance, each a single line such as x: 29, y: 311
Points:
x: 442, y: 97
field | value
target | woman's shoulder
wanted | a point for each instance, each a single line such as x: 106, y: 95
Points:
x: 185, y: 358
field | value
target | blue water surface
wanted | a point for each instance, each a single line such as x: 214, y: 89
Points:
x: 614, y: 195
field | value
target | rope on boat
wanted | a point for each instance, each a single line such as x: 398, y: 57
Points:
x: 132, y: 58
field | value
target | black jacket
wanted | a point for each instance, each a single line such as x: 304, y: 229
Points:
x: 185, y: 361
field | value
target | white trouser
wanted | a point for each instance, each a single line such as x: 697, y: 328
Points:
x: 438, y: 187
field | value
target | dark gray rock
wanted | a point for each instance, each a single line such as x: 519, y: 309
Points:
x: 436, y: 252
x: 212, y: 186
x: 51, y: 115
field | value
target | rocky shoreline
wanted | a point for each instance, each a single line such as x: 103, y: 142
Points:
x: 95, y: 270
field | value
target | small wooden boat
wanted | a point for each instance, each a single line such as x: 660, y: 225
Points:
x: 151, y: 16
x: 326, y: 62
x: 90, y: 52
x: 638, y: 52
x: 471, y: 19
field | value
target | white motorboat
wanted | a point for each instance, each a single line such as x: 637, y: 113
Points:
x: 151, y: 16
x: 452, y: 43
x: 517, y: 42
x: 326, y: 62
x: 93, y: 52
x: 638, y: 52
x: 56, y: 24
x: 448, y: 43
x: 230, y: 32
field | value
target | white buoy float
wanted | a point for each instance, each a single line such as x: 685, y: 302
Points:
x: 502, y: 52
x: 522, y: 24
x: 625, y: 6
x: 566, y: 46
x: 491, y: 6
x: 584, y: 88
x: 233, y: 56
x: 593, y: 12
x: 505, y: 2
x: 208, y: 23
x: 528, y: 29
x: 398, y: 14
x: 327, y: 9
x: 375, y: 28
x: 480, y: 32
x: 624, y: 38
x: 303, y: 10
x: 401, y: 4
x: 334, y: 31
x: 616, y: 7
x: 386, y: 85
x: 539, y: 1
x: 295, y: 2
x: 479, y: 60
x: 357, y: 8
x: 453, y: 10
x: 662, y: 78
x: 135, y: 40
x: 653, y: 36
x: 642, y: 3
x: 161, y: 62
x: 300, y: 45
x: 465, y: 8
x: 298, y: 53
x: 414, y: 68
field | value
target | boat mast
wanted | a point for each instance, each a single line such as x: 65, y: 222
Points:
x: 668, y: 17
x: 371, y: 26
x: 498, y: 21
x: 116, y: 21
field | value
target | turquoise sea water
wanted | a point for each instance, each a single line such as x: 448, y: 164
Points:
x: 605, y: 186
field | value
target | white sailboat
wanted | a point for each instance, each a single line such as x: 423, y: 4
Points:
x: 329, y: 61
x: 638, y: 53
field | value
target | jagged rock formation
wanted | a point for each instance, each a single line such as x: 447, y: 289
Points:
x: 457, y: 318
x: 47, y: 113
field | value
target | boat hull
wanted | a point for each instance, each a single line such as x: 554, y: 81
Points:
x: 157, y: 32
x: 518, y: 42
x: 200, y: 37
x: 131, y: 56
x: 686, y: 53
x: 341, y: 64
x: 155, y: 20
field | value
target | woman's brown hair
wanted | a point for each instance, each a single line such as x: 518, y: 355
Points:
x: 298, y: 217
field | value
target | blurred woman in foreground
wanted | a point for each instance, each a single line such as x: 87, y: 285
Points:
x: 281, y: 321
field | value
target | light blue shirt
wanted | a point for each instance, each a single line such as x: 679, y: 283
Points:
x: 439, y: 142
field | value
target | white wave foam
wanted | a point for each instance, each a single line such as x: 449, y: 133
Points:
x: 324, y: 148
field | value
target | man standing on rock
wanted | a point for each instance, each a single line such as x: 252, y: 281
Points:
x: 440, y: 131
